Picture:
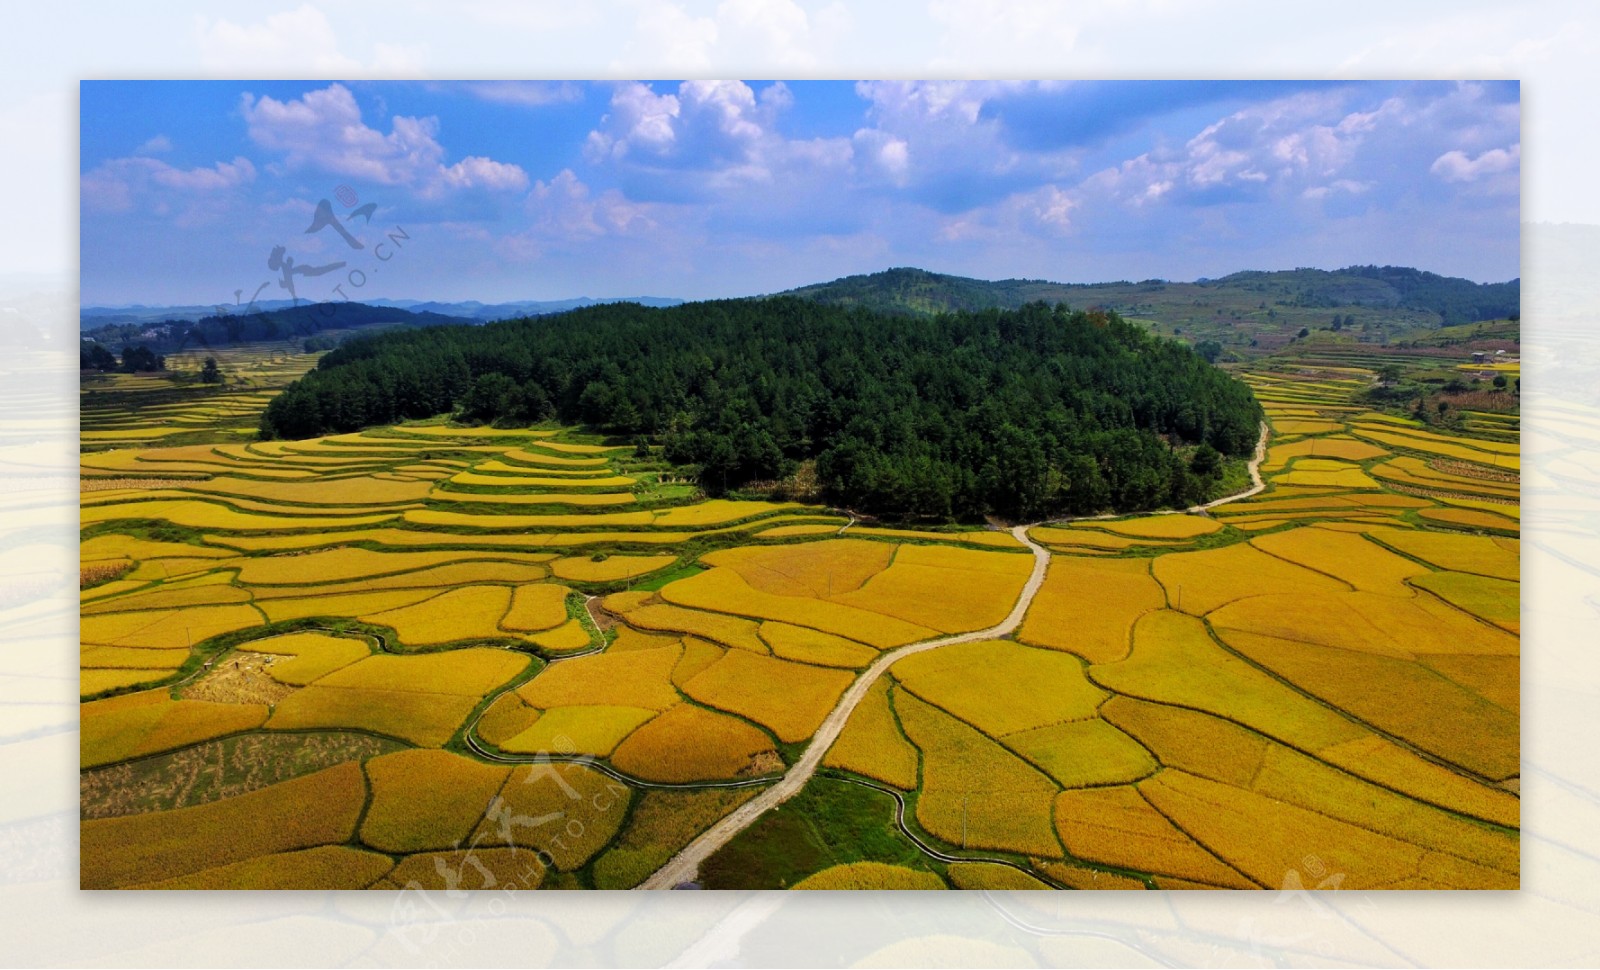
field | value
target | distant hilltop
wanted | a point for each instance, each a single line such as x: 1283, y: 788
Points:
x: 1448, y: 300
x: 95, y: 317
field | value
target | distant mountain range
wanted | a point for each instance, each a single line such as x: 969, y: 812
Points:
x: 94, y: 317
x: 1249, y: 311
x: 1449, y: 300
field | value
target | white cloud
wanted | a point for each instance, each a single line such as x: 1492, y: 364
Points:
x: 1457, y: 166
x: 532, y: 94
x: 191, y: 196
x: 324, y: 129
x: 155, y: 146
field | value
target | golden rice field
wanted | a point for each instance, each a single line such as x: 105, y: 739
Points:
x: 530, y: 637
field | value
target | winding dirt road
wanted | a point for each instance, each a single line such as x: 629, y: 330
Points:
x: 684, y: 866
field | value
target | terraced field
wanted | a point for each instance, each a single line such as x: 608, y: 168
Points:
x: 434, y: 656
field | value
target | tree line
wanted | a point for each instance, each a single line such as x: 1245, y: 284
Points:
x: 1022, y: 413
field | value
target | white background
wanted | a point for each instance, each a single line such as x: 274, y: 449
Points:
x: 1552, y: 47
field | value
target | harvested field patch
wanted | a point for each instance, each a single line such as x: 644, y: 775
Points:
x: 120, y: 728
x: 239, y: 677
x: 205, y: 772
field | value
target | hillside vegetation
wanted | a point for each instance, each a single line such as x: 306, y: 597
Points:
x: 1253, y: 311
x: 1023, y: 413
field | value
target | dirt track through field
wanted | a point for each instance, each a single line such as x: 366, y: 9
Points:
x: 685, y: 866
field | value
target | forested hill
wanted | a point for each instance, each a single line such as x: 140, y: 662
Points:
x: 1022, y: 413
x: 283, y: 323
x: 1447, y: 300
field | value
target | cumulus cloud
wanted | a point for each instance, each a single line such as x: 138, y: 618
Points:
x: 193, y: 195
x: 532, y: 94
x: 323, y: 129
x: 1458, y: 166
x: 709, y: 136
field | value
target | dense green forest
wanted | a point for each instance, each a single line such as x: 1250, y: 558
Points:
x: 1022, y: 413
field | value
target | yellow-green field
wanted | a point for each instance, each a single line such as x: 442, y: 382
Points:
x: 565, y: 665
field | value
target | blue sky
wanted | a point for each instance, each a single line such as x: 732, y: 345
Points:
x: 542, y: 190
